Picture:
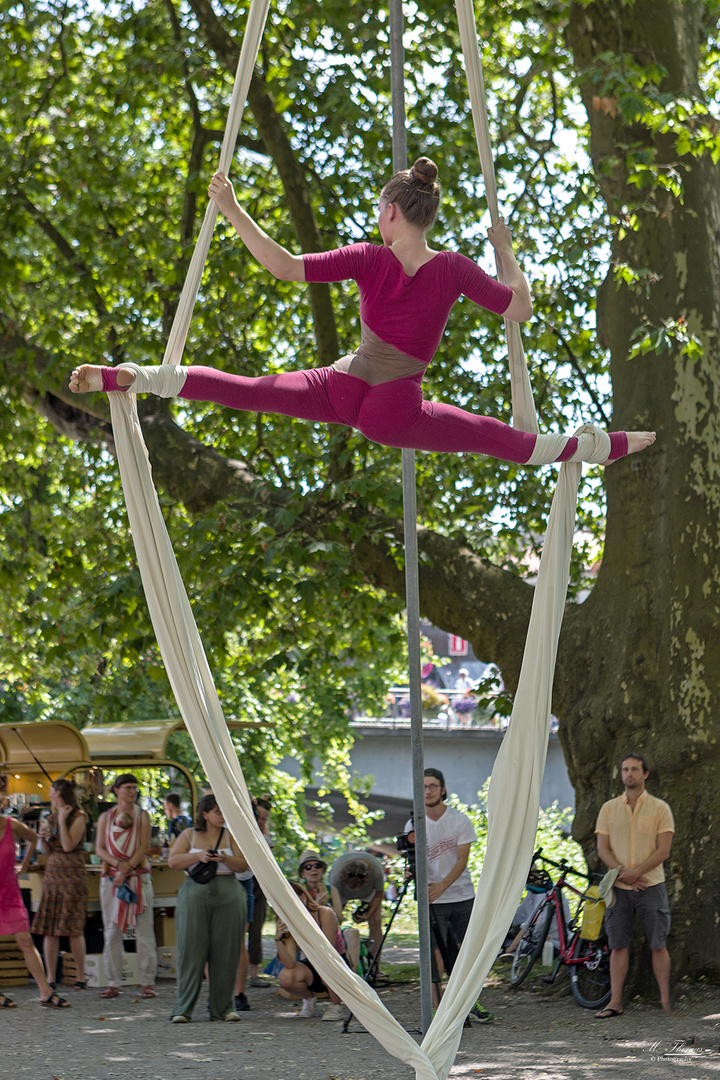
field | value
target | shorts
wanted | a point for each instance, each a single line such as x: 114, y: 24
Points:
x: 651, y: 906
x: 317, y: 986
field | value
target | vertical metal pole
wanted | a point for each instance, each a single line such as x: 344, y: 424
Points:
x: 412, y: 584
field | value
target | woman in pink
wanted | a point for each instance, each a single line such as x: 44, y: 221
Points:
x: 407, y: 291
x: 13, y: 913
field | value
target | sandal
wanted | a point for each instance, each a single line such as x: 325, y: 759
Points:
x: 110, y: 992
x: 81, y: 984
x: 7, y: 1003
x: 149, y: 992
x: 55, y: 1002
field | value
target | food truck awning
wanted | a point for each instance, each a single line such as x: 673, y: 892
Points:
x: 56, y: 745
x: 147, y: 740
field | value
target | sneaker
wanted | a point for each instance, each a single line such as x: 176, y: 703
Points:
x: 241, y: 1003
x: 231, y: 1018
x: 480, y: 1014
x: 308, y: 1007
x: 259, y: 981
x: 179, y: 1019
x: 334, y: 1012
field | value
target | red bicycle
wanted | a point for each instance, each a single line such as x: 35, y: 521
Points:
x: 589, y: 961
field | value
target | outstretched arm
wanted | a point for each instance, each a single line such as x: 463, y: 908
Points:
x: 520, y: 307
x: 274, y: 258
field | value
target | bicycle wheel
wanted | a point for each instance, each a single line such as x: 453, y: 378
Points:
x: 591, y: 981
x: 531, y: 943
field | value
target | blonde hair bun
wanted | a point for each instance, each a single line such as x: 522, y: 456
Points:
x: 425, y: 171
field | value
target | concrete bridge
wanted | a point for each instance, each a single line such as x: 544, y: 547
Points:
x: 465, y: 756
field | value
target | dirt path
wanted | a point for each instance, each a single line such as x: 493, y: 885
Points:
x: 533, y: 1037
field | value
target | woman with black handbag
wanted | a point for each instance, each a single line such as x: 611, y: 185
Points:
x: 210, y: 913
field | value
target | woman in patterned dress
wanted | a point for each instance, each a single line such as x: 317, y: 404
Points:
x: 63, y: 906
x: 13, y: 913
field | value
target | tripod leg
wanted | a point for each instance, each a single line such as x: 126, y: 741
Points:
x: 370, y: 976
x: 372, y: 970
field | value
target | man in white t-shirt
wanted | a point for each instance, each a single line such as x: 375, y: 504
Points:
x: 451, y: 892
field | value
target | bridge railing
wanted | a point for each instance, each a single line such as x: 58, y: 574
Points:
x: 444, y: 709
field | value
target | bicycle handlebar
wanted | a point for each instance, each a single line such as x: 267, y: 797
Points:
x: 563, y: 867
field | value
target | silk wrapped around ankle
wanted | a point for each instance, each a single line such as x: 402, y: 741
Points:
x: 163, y: 380
x: 593, y: 446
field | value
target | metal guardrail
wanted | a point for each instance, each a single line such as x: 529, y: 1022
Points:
x: 453, y: 710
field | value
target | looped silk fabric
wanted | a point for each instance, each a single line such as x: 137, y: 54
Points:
x: 593, y: 446
x: 163, y: 380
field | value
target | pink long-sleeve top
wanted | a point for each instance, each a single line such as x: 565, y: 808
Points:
x: 407, y: 311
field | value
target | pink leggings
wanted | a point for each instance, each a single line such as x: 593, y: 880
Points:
x: 391, y: 413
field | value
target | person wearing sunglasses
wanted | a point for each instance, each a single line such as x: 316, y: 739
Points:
x: 311, y: 870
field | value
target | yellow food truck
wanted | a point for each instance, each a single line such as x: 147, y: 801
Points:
x: 32, y: 755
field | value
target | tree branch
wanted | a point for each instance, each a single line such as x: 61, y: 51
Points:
x: 458, y: 589
x: 68, y: 252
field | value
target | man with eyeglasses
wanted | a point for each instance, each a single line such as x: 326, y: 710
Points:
x: 451, y: 893
x: 126, y: 890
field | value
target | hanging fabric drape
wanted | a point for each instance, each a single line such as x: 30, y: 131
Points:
x: 523, y: 405
x: 515, y: 786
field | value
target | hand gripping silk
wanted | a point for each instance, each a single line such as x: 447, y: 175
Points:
x: 515, y: 786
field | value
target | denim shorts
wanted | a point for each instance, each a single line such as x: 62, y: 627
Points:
x: 650, y: 905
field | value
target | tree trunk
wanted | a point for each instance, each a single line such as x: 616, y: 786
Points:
x: 640, y: 660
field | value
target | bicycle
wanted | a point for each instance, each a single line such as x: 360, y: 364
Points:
x: 589, y: 961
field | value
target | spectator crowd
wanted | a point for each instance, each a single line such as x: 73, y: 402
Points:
x: 221, y: 910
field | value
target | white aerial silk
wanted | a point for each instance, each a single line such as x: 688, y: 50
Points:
x: 515, y: 787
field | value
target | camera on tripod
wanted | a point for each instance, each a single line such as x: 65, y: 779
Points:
x: 405, y: 843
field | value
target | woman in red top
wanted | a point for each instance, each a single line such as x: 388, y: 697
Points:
x: 407, y: 291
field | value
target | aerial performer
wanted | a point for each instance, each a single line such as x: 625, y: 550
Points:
x: 407, y: 290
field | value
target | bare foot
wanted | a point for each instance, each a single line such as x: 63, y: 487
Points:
x: 639, y: 440
x: 88, y: 379
x: 667, y: 1008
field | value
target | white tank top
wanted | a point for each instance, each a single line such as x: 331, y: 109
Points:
x: 221, y: 867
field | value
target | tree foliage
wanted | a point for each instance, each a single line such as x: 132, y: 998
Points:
x: 288, y: 535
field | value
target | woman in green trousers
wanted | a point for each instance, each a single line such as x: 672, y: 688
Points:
x: 210, y: 917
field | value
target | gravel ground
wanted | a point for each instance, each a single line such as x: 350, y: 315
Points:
x: 536, y: 1035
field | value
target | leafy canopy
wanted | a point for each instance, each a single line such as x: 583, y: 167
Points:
x: 110, y: 119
